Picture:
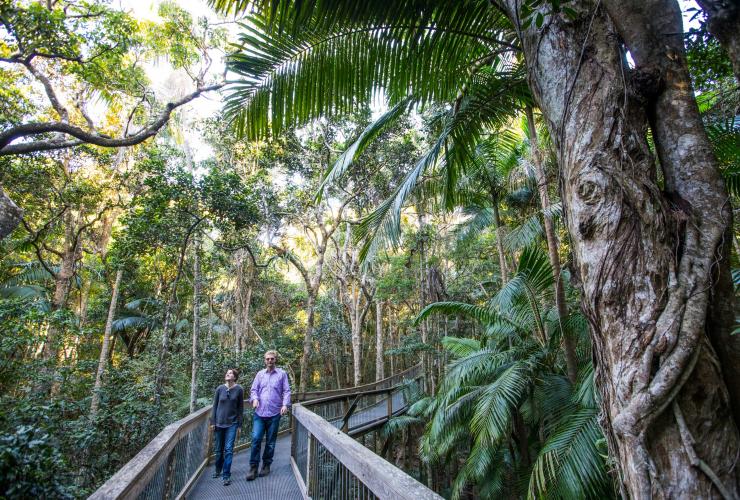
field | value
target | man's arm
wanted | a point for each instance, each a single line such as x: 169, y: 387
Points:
x: 286, y: 394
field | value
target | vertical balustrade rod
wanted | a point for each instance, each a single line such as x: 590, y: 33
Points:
x: 310, y: 466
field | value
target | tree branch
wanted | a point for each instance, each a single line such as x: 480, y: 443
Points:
x: 31, y: 129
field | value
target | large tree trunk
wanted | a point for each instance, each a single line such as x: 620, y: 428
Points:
x: 196, y: 326
x: 569, y: 343
x: 644, y: 256
x: 103, y: 360
x: 242, y: 298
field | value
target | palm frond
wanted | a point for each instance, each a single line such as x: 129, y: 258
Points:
x: 493, y: 411
x: 132, y: 322
x: 372, y: 131
x: 482, y: 314
x: 22, y: 292
x: 529, y: 231
x: 570, y: 464
x: 461, y: 347
x: 290, y: 77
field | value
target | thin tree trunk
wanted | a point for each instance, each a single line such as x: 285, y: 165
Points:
x: 356, y: 335
x: 308, y: 339
x: 645, y: 256
x: 196, y: 326
x: 161, y: 375
x: 500, y: 243
x: 105, y: 349
x: 379, y: 363
x: 62, y: 283
x: 569, y: 343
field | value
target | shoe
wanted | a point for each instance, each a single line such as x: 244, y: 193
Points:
x: 252, y: 473
x: 216, y: 474
x: 265, y: 470
x: 227, y: 481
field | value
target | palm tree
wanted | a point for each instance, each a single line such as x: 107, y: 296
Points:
x: 506, y: 398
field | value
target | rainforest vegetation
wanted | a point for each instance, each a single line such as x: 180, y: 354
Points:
x: 534, y: 199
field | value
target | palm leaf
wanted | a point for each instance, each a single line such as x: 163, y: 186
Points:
x: 570, y: 464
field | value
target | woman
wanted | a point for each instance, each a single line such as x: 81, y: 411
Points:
x: 228, y: 410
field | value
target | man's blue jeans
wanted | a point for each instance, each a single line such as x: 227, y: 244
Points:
x: 261, y: 426
x: 224, y: 438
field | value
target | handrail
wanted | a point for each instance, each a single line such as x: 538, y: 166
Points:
x: 327, y: 454
x: 304, y: 397
x: 134, y: 477
x: 178, y: 453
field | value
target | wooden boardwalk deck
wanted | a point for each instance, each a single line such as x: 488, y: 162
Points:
x: 280, y: 484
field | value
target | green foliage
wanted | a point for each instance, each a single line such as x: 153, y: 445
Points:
x: 31, y: 465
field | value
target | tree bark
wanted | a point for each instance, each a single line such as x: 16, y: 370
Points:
x: 569, y: 343
x: 644, y: 256
x: 196, y: 326
x: 379, y: 363
x: 62, y: 282
x: 103, y: 360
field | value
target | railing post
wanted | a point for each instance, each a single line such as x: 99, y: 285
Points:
x: 310, y: 466
x: 389, y: 404
x: 209, y: 444
x: 168, y: 474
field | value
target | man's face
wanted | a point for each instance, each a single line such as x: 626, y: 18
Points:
x: 270, y: 361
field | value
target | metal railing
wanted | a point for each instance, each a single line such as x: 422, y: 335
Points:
x: 410, y: 373
x: 167, y: 465
x: 330, y: 465
x: 171, y: 463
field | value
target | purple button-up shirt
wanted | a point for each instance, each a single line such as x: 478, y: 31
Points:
x: 272, y: 390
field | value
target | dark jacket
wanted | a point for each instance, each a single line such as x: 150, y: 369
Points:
x: 228, y: 406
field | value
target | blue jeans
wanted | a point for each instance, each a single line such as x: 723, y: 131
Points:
x: 224, y: 437
x: 259, y: 426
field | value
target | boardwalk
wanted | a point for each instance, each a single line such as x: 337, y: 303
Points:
x: 280, y: 484
x: 326, y: 462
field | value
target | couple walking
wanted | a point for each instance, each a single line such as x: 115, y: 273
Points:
x: 270, y: 398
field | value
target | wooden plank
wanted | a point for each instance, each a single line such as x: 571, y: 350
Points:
x: 133, y: 477
x: 384, y: 479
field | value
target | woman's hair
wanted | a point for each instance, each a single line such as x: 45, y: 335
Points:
x: 236, y: 373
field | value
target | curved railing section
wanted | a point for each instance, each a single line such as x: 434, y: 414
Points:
x: 329, y: 463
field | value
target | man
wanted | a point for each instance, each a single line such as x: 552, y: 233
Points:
x: 228, y: 411
x: 270, y: 397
